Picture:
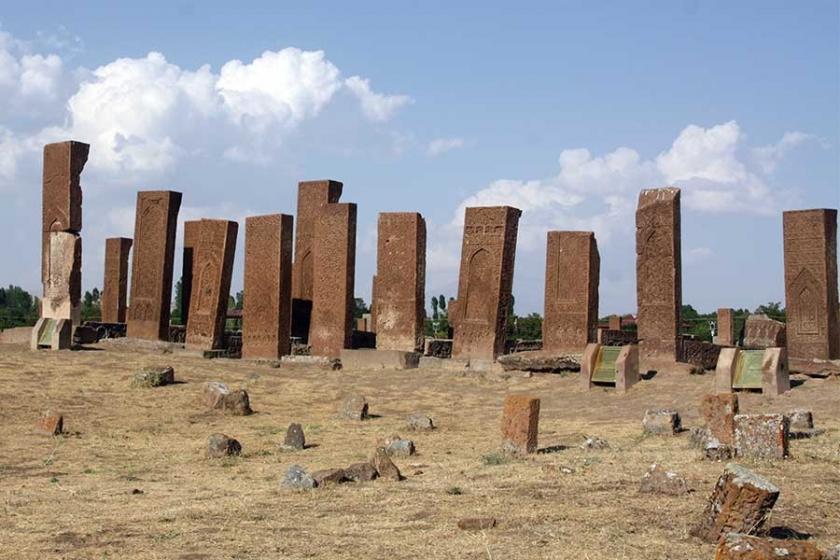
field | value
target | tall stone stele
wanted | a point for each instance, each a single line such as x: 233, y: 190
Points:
x: 115, y: 285
x: 485, y: 281
x: 811, y: 300
x: 212, y: 272
x: 155, y: 226
x: 267, y: 309
x: 191, y: 234
x: 572, y: 273
x: 400, y: 281
x: 61, y: 245
x: 725, y: 327
x: 658, y: 273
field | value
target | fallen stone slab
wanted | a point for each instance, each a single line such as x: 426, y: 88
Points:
x: 361, y: 472
x: 154, y: 377
x: 310, y: 362
x: 221, y: 445
x: 740, y: 503
x: 538, y: 361
x: 50, y: 424
x: 815, y: 367
x: 661, y: 422
x: 354, y: 407
x: 295, y: 438
x: 476, y: 523
x: 365, y: 359
x: 762, y: 436
x: 324, y: 477
x: 419, y: 423
x: 658, y: 480
x: 384, y: 466
x: 737, y: 546
x: 297, y: 478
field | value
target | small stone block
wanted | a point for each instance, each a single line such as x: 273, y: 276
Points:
x: 657, y: 480
x: 329, y: 476
x: 220, y: 445
x: 384, y: 466
x: 361, y: 472
x: 420, y: 422
x: 763, y: 436
x: 154, y: 377
x: 50, y: 424
x: 298, y: 479
x: 295, y: 438
x: 661, y: 422
x: 354, y: 407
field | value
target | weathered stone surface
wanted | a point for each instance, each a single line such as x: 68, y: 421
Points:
x: 596, y: 367
x: 192, y: 233
x: 311, y: 362
x: 395, y: 446
x: 115, y: 284
x: 438, y: 348
x: 218, y: 396
x: 614, y: 323
x: 658, y: 272
x: 572, y: 275
x: 832, y: 553
x: 266, y: 314
x: 714, y: 450
x: 760, y: 331
x: 520, y: 424
x: 384, y: 466
x: 62, y: 285
x: 718, y: 412
x: 325, y: 477
x: 154, y: 377
x: 298, y: 479
x: 800, y: 420
x: 295, y: 438
x: 479, y: 315
x: 50, y: 424
x: 334, y: 251
x: 699, y: 353
x: 540, y: 361
x: 419, y: 422
x: 737, y: 546
x: 775, y: 376
x: 593, y: 442
x: 373, y: 314
x: 725, y: 327
x: 400, y: 281
x: 763, y: 436
x: 155, y: 226
x: 740, y: 503
x: 811, y: 300
x: 662, y: 422
x: 212, y: 271
x: 362, y: 359
x: 220, y: 445
x: 354, y: 407
x: 361, y: 472
x: 658, y: 480
x: 476, y: 523
x: 16, y: 335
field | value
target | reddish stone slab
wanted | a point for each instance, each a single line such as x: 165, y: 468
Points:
x: 737, y: 546
x: 191, y: 234
x: 572, y: 274
x: 212, y: 270
x: 658, y: 272
x: 718, y: 412
x: 400, y: 281
x: 614, y: 323
x: 762, y: 436
x: 520, y: 423
x: 485, y: 281
x: 155, y: 226
x: 725, y: 327
x: 334, y: 253
x: 811, y: 300
x: 63, y: 282
x: 267, y: 310
x: 312, y: 197
x: 115, y: 284
x: 760, y: 331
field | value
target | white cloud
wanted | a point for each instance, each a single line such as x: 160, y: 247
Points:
x: 768, y: 157
x: 700, y: 153
x: 376, y: 106
x: 697, y: 255
x: 440, y: 146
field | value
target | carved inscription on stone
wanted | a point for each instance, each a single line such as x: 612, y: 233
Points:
x: 658, y: 272
x: 115, y: 285
x: 191, y: 235
x: 571, y: 291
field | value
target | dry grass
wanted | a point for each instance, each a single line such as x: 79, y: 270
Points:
x: 71, y: 496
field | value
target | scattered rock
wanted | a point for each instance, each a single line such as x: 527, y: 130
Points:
x: 137, y: 491
x: 740, y: 503
x: 476, y: 523
x: 218, y: 396
x: 698, y: 436
x: 220, y: 445
x: 657, y: 480
x: 763, y: 436
x: 329, y: 476
x: 832, y: 553
x: 214, y: 393
x: 420, y: 422
x: 395, y: 446
x: 360, y: 472
x: 294, y: 437
x: 154, y: 377
x: 737, y: 546
x: 384, y: 466
x: 592, y: 442
x: 714, y: 450
x: 297, y: 479
x: 50, y: 424
x: 536, y: 361
x: 801, y: 424
x: 354, y: 407
x: 661, y: 422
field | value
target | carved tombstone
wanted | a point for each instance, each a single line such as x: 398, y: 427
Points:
x: 115, y: 285
x: 571, y: 291
x: 725, y: 327
x: 334, y: 253
x: 485, y: 281
x: 151, y: 268
x: 191, y: 235
x: 312, y: 197
x: 400, y: 281
x: 212, y: 270
x: 811, y: 301
x: 266, y: 314
x: 658, y: 272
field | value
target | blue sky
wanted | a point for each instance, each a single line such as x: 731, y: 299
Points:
x: 564, y: 109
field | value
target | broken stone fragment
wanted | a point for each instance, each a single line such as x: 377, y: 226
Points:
x: 661, y: 422
x: 360, y: 472
x: 718, y: 411
x: 50, y: 424
x: 220, y: 445
x: 395, y: 446
x: 384, y: 466
x: 762, y: 436
x: 329, y: 476
x: 737, y: 546
x: 592, y: 442
x: 298, y: 479
x: 420, y: 422
x: 218, y: 396
x: 154, y: 377
x: 354, y: 407
x: 657, y: 480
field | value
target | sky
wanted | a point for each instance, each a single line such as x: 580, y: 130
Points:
x: 565, y: 110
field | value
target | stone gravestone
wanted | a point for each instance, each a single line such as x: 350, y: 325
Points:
x: 813, y: 324
x: 571, y: 291
x: 212, y: 270
x: 725, y: 327
x: 333, y: 299
x: 61, y: 244
x: 658, y: 272
x: 191, y: 235
x: 485, y: 281
x: 312, y: 197
x: 400, y: 281
x: 617, y: 365
x: 266, y: 314
x: 614, y: 323
x: 155, y: 226
x: 115, y: 285
x: 765, y: 370
x: 520, y: 424
x: 760, y: 331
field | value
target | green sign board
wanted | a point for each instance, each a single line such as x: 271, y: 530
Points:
x: 748, y: 373
x: 605, y: 364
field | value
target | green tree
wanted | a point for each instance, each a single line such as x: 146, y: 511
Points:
x: 434, y: 308
x: 772, y: 309
x: 529, y: 327
x: 442, y: 303
x: 18, y: 308
x: 240, y: 299
x: 177, y: 315
x: 91, y: 306
x: 360, y: 308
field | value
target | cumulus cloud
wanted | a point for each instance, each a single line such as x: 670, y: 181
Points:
x: 376, y: 106
x: 440, y: 146
x: 768, y: 157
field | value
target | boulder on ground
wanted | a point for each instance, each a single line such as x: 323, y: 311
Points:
x: 384, y: 466
x: 324, y: 477
x: 154, y: 377
x: 657, y: 480
x: 395, y: 446
x: 360, y: 472
x: 219, y: 397
x: 298, y: 479
x: 354, y: 407
x: 294, y: 437
x: 221, y: 445
x: 50, y: 424
x: 420, y: 422
x: 661, y: 422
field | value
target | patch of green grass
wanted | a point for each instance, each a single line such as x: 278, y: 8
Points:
x: 54, y: 480
x: 454, y: 491
x: 495, y: 458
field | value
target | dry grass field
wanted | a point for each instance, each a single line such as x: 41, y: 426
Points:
x: 73, y: 496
